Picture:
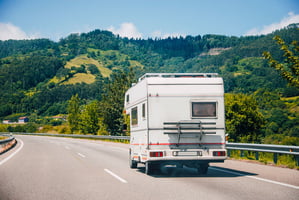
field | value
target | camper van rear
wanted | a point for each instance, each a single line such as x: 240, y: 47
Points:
x: 176, y: 119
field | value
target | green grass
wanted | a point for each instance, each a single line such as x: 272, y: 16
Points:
x: 288, y: 161
x: 3, y: 137
x: 292, y: 103
x: 290, y: 98
x: 81, y: 78
x: 105, y: 61
x: 84, y: 60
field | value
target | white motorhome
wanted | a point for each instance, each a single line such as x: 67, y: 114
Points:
x: 176, y: 119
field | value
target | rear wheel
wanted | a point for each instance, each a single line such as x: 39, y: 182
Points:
x: 148, y: 168
x: 152, y: 167
x: 203, y: 169
x: 133, y: 164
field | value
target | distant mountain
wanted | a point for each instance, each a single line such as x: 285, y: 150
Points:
x: 41, y: 75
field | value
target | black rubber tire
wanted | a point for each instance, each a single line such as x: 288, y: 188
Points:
x: 133, y: 164
x: 148, y: 168
x: 203, y: 169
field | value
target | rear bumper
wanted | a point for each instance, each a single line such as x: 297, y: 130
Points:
x: 194, y: 155
x: 182, y: 159
x: 181, y: 163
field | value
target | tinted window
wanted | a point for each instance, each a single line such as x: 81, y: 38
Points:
x: 203, y: 109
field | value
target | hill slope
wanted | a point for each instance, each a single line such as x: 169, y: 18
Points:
x: 37, y: 75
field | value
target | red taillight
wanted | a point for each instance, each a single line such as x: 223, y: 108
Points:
x: 156, y: 154
x: 219, y: 153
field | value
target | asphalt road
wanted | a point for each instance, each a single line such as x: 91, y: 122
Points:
x: 45, y: 168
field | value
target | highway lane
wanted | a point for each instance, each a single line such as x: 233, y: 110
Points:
x: 62, y: 168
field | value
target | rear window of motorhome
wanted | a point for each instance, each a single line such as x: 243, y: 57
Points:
x: 203, y: 109
x: 134, y: 116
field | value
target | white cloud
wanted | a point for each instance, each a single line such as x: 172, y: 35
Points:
x: 126, y: 29
x: 159, y: 34
x: 10, y: 31
x: 290, y: 19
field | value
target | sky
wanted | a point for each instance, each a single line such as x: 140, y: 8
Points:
x: 56, y: 19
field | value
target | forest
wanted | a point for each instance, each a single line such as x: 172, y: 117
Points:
x: 77, y: 85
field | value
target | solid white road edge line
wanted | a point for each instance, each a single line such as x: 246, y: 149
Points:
x: 257, y: 178
x: 14, y: 153
x: 115, y: 176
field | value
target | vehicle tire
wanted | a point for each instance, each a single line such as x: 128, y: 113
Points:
x: 148, y: 168
x: 133, y: 164
x: 203, y: 169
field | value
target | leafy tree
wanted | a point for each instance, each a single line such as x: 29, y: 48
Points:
x: 90, y: 118
x: 112, y: 100
x: 243, y: 119
x: 93, y: 69
x: 81, y: 69
x: 28, y: 69
x: 63, y: 73
x: 74, y: 112
x: 290, y: 68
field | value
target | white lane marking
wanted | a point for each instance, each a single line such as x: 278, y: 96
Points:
x: 13, y: 154
x: 257, y: 178
x: 115, y: 176
x: 80, y: 154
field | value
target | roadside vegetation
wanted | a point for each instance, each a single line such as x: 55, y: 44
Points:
x: 77, y: 85
x: 288, y: 161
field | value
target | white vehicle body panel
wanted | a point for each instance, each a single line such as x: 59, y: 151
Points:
x: 179, y: 115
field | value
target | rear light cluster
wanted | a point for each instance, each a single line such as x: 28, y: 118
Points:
x: 219, y: 153
x: 156, y: 154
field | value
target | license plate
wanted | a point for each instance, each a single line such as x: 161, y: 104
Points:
x: 188, y: 153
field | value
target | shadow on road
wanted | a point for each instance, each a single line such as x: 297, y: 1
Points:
x: 213, y: 172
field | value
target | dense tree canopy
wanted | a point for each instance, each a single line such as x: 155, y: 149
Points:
x: 243, y: 119
x: 39, y: 78
x: 290, y: 68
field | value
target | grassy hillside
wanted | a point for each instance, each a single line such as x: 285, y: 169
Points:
x: 105, y: 61
x: 85, y: 60
x: 80, y: 78
x: 39, y: 77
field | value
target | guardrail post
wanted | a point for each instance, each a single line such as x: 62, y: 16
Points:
x: 275, y: 156
x: 256, y: 155
x: 241, y: 153
x: 228, y: 152
x: 297, y: 160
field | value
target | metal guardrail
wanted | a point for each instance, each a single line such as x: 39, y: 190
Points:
x: 7, y: 143
x: 77, y: 136
x: 269, y: 148
x: 4, y: 141
x: 281, y: 149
